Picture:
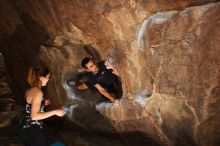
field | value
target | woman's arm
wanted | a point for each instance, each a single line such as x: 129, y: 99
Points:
x: 37, y: 98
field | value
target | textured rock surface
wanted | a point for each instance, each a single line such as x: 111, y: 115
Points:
x: 167, y: 54
x: 9, y: 110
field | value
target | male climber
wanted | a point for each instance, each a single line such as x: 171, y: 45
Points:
x: 103, y: 76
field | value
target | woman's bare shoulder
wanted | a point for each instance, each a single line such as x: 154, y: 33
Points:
x: 35, y: 91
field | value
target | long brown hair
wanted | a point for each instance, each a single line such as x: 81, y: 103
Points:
x: 35, y: 73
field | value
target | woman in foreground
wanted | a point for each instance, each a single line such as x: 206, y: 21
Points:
x: 34, y: 107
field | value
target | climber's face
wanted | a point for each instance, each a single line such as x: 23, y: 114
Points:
x: 91, y: 66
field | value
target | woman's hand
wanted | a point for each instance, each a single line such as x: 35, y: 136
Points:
x: 47, y: 102
x: 59, y: 112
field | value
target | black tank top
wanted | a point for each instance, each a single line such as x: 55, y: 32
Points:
x: 27, y: 122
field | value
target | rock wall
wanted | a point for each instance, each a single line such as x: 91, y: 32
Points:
x: 10, y: 111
